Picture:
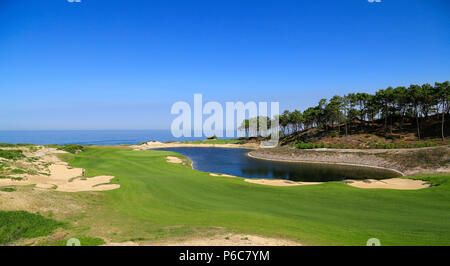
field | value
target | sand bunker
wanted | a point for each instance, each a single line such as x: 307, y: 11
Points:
x: 392, y: 183
x: 279, y: 182
x: 271, y: 182
x: 215, y: 240
x: 61, y: 176
x: 172, y: 159
x: 234, y: 240
x: 121, y: 244
x: 221, y: 175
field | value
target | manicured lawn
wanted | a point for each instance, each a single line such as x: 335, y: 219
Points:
x: 156, y: 195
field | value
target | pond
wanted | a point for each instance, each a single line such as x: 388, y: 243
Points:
x: 236, y: 162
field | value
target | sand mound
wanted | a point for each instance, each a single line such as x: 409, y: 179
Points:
x: 172, y: 159
x: 280, y: 183
x: 392, y: 183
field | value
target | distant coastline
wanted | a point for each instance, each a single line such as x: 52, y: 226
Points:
x: 89, y: 137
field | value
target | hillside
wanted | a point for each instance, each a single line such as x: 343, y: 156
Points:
x: 363, y: 134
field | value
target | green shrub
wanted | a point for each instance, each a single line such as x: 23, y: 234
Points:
x: 20, y: 224
x: 18, y: 171
x: 7, y: 189
x: 389, y: 146
x: 10, y: 177
x: 84, y: 241
x: 308, y: 145
x: 72, y: 148
x: 12, y: 154
x: 9, y: 145
x: 402, y: 145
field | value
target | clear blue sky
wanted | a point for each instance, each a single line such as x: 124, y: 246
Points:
x: 121, y: 64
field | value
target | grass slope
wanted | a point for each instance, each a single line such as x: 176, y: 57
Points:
x: 20, y: 224
x: 156, y: 195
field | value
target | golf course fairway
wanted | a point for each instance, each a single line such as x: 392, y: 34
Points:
x: 158, y: 200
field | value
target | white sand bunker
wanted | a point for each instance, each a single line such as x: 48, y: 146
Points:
x: 392, y: 183
x: 173, y: 159
x: 234, y: 240
x: 62, y: 177
x: 121, y: 244
x: 280, y: 183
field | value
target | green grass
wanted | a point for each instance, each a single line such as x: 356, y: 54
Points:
x: 7, y: 189
x: 18, y: 171
x: 71, y: 148
x: 20, y: 224
x: 9, y: 145
x: 10, y: 177
x: 156, y: 195
x: 84, y: 241
x: 12, y: 154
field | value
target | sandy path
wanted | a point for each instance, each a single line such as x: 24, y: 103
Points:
x: 392, y: 183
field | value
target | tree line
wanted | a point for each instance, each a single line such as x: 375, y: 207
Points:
x: 413, y: 103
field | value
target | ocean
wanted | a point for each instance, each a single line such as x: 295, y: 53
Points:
x: 86, y: 137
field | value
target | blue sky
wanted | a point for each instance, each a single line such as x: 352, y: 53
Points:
x: 122, y: 64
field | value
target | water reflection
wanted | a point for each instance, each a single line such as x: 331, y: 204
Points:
x: 236, y: 162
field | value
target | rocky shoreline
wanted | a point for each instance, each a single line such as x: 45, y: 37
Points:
x: 406, y: 162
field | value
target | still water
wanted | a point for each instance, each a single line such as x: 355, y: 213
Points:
x: 236, y: 162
